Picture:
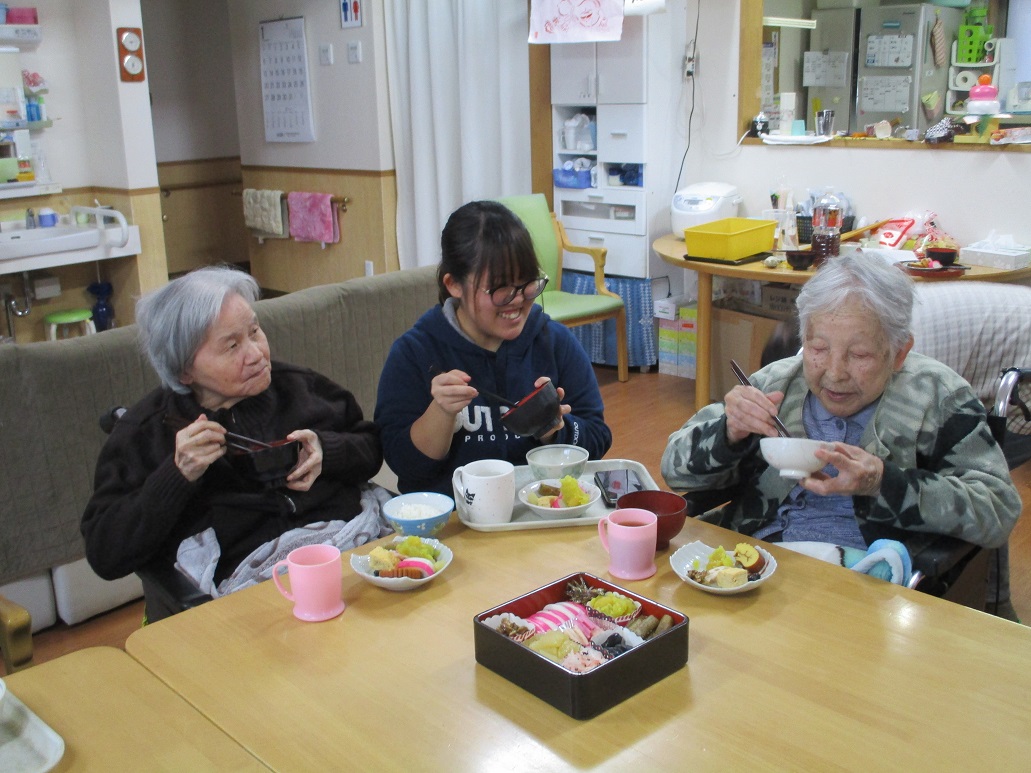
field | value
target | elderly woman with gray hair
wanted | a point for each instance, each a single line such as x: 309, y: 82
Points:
x: 163, y: 490
x: 909, y: 447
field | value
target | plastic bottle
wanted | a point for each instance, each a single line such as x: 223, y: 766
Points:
x: 828, y: 215
x: 42, y: 107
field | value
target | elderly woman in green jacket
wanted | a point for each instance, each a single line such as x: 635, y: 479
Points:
x: 909, y: 447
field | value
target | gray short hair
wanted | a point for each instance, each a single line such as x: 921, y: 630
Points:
x: 883, y: 288
x: 174, y: 319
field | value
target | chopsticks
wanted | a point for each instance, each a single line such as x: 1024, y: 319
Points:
x: 496, y: 398
x: 239, y: 442
x: 741, y: 377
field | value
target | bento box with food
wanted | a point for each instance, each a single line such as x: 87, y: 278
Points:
x: 581, y: 643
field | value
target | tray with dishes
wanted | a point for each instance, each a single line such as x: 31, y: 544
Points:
x: 525, y: 516
x: 916, y: 268
x: 26, y: 742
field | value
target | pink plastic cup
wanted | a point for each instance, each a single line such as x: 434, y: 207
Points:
x: 316, y: 582
x: 629, y: 537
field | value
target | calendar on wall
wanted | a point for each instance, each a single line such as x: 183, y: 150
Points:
x: 285, y: 85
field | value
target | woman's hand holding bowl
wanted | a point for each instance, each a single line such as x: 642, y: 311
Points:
x: 859, y: 472
x: 309, y: 464
x: 197, y: 445
x: 750, y: 411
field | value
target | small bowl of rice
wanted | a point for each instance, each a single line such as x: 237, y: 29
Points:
x: 419, y: 514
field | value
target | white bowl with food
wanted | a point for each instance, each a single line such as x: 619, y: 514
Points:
x: 793, y: 456
x: 374, y: 567
x: 420, y: 513
x: 543, y: 498
x: 691, y: 562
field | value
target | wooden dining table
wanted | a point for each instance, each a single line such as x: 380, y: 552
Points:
x: 671, y: 250
x: 112, y: 714
x: 819, y: 668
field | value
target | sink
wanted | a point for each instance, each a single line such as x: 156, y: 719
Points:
x: 42, y: 241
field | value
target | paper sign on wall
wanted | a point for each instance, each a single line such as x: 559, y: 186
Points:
x: 828, y: 69
x: 885, y: 94
x: 560, y: 21
x: 285, y: 86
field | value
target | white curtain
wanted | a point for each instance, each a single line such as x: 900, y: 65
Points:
x: 458, y: 74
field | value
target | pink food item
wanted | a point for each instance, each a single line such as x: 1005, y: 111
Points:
x: 584, y: 660
x: 554, y: 615
x: 422, y: 564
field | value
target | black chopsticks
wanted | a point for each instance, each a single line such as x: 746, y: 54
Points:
x: 434, y: 370
x: 239, y: 442
x: 741, y: 377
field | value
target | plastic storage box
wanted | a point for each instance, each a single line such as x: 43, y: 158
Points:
x: 730, y: 239
x: 585, y: 695
x: 571, y: 178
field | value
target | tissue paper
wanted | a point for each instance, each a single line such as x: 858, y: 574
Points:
x: 996, y: 252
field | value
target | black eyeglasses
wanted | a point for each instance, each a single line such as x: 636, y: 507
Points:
x: 505, y: 294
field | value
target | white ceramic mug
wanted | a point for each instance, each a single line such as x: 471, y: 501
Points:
x: 485, y: 491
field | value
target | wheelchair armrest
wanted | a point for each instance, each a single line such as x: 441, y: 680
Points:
x: 939, y: 555
x: 699, y: 502
x: 167, y: 591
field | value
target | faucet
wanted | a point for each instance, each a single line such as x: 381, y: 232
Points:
x: 30, y: 218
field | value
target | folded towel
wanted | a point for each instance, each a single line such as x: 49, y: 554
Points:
x: 263, y: 212
x: 885, y: 559
x: 313, y: 217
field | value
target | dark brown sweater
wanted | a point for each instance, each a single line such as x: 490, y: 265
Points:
x: 142, y: 506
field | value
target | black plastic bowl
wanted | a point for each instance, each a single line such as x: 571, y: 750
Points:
x: 269, y: 466
x: 536, y: 414
x: 799, y: 260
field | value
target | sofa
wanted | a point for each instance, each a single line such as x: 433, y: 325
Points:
x: 52, y: 395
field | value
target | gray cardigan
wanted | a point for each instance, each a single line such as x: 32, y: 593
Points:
x: 943, y: 471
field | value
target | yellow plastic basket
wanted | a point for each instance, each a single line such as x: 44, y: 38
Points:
x: 730, y: 238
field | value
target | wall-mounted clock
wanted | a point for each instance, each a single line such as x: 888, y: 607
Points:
x: 130, y: 53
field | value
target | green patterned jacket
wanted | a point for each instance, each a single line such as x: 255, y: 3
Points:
x: 943, y: 471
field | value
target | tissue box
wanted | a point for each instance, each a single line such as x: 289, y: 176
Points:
x: 668, y: 308
x: 995, y: 257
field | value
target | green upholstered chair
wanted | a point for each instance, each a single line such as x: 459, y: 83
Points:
x: 571, y: 309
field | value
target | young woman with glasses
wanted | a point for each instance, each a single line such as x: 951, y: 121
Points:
x: 486, y: 331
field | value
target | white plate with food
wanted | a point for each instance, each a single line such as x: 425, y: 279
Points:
x: 376, y: 564
x: 691, y: 565
x: 544, y: 498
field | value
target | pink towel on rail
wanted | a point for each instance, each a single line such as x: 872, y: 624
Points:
x: 313, y: 217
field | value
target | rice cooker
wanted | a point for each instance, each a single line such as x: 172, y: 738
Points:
x: 702, y: 203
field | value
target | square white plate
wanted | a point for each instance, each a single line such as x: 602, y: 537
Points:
x: 685, y: 557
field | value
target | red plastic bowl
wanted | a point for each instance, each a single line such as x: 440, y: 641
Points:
x: 670, y: 508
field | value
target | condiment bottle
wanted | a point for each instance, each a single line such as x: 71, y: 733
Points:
x: 828, y: 215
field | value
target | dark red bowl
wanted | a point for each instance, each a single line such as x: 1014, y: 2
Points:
x: 269, y: 466
x: 944, y: 255
x: 536, y: 414
x: 670, y: 508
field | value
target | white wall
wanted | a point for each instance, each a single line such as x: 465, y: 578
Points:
x: 972, y: 192
x: 102, y: 127
x: 190, y: 67
x: 350, y: 107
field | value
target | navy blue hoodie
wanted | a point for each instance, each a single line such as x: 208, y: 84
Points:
x: 543, y: 348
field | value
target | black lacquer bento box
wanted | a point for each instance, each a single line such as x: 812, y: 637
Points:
x: 580, y: 695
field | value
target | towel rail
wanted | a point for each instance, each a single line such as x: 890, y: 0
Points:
x: 342, y: 201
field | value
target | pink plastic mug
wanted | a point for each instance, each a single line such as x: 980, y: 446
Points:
x: 316, y: 582
x: 629, y: 537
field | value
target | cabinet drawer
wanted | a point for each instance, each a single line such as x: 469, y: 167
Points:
x: 621, y: 137
x: 627, y: 255
x: 611, y: 211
